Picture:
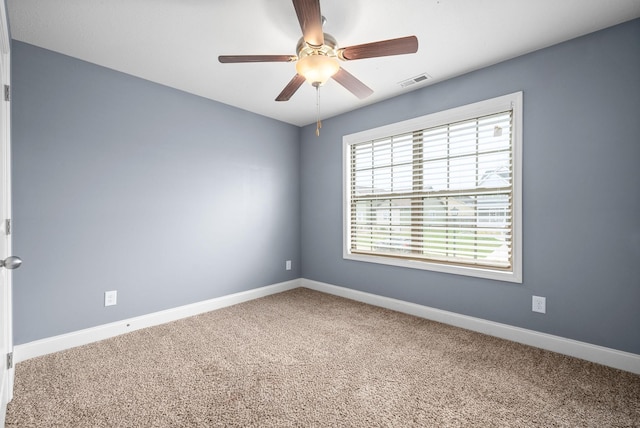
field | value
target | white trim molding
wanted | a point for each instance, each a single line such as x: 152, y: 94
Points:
x: 598, y: 354
x: 94, y: 334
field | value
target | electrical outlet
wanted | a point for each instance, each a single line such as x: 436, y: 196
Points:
x: 287, y: 265
x: 539, y: 304
x: 110, y: 298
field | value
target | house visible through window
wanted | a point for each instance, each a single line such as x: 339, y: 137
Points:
x: 439, y: 192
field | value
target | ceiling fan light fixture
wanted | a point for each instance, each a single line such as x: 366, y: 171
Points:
x: 317, y: 68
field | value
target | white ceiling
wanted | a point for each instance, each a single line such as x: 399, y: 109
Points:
x: 177, y: 42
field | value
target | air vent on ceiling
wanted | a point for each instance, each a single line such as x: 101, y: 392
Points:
x: 417, y: 79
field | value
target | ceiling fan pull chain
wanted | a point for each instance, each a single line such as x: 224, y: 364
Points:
x: 318, y: 122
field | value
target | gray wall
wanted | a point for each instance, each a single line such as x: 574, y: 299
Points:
x: 581, y: 206
x: 119, y: 183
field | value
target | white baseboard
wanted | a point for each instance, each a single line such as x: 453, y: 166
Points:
x: 597, y: 354
x: 82, y: 337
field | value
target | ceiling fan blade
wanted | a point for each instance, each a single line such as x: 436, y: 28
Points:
x: 291, y: 88
x: 400, y: 46
x: 226, y: 59
x: 353, y: 85
x: 310, y: 19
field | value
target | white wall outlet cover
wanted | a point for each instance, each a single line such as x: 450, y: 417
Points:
x: 539, y: 304
x: 288, y: 265
x: 110, y: 298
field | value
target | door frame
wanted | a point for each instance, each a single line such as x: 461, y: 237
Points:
x: 5, y: 155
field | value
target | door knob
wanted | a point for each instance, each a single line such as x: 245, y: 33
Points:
x: 12, y: 262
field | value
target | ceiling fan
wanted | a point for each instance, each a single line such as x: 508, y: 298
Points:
x: 317, y: 54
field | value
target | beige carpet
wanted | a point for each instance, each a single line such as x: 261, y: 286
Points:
x: 303, y: 358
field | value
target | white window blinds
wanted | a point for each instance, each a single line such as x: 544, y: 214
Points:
x: 441, y: 194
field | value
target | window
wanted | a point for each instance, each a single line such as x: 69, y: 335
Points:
x: 440, y: 192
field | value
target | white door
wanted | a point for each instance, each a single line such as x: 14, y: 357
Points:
x: 6, y: 340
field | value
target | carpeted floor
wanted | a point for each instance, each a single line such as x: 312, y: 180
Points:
x: 304, y: 359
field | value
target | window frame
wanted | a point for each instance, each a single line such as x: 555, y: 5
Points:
x: 514, y: 102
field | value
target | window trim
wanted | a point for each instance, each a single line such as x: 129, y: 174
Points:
x: 514, y: 102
